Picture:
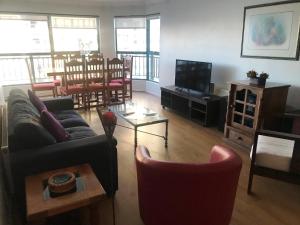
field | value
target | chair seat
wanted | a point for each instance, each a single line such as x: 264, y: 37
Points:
x: 72, y: 89
x: 126, y: 80
x: 274, y: 153
x: 43, y: 86
x: 57, y: 82
x: 95, y: 86
x: 114, y: 85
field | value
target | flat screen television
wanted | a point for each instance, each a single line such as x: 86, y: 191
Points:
x: 193, y: 75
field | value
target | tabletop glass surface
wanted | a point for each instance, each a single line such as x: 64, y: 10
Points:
x: 137, y: 114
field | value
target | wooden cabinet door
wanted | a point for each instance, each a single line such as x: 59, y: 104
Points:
x: 243, y: 109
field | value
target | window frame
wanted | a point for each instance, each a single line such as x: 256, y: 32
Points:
x: 51, y: 41
x: 147, y: 51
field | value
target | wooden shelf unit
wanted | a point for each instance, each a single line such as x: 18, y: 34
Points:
x: 201, y: 108
x: 249, y: 106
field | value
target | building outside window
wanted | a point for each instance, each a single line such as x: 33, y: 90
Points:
x: 36, y: 37
x: 140, y: 38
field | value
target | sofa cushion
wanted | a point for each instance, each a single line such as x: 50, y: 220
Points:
x: 80, y: 132
x: 17, y: 96
x: 54, y: 126
x: 28, y: 131
x: 36, y: 101
x: 69, y: 118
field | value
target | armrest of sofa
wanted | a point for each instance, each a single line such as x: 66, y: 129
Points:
x: 51, y: 154
x: 97, y: 151
x: 61, y: 103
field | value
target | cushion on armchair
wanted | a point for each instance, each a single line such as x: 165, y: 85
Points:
x: 274, y: 153
x: 54, y: 126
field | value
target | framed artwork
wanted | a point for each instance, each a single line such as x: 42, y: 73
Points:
x: 271, y: 31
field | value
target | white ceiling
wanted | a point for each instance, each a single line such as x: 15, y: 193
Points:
x: 100, y: 2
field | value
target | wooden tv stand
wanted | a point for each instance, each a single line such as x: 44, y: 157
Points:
x: 199, y: 107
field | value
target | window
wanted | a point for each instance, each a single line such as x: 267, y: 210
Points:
x: 74, y: 33
x: 131, y: 34
x: 139, y: 37
x: 37, y: 36
x: 154, y: 34
x: 24, y: 33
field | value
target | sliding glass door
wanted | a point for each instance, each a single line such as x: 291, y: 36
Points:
x: 140, y: 37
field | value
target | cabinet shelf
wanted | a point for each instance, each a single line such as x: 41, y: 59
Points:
x: 199, y: 110
x: 250, y: 104
x: 250, y: 117
x: 238, y: 113
x: 239, y: 101
x: 192, y: 105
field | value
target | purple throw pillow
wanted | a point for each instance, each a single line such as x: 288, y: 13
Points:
x: 36, y: 101
x: 54, y: 126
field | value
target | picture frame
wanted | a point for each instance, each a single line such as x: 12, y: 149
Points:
x: 271, y: 31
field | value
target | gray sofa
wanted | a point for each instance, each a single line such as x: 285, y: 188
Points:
x: 28, y: 148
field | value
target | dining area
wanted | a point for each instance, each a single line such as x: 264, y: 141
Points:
x: 89, y: 78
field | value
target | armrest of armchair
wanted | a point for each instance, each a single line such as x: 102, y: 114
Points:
x: 61, y: 103
x: 295, y: 161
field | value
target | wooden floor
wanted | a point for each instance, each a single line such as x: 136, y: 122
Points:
x: 274, y: 202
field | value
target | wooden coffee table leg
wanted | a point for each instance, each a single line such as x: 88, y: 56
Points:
x: 94, y: 214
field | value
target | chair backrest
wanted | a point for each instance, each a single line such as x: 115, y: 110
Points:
x: 95, y: 71
x: 180, y: 193
x: 95, y: 55
x: 30, y: 71
x: 58, y: 60
x: 74, y: 73
x: 128, y: 62
x: 75, y: 56
x: 115, y: 69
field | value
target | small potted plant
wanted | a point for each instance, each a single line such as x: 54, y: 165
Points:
x: 252, y: 75
x: 262, y: 78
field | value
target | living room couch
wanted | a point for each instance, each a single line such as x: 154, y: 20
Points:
x: 28, y: 148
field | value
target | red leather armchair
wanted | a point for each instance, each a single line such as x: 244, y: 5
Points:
x: 173, y: 193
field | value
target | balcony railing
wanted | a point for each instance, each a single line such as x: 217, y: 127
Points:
x: 13, y: 69
x: 139, y: 66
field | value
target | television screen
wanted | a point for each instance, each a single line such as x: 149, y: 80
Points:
x: 193, y: 75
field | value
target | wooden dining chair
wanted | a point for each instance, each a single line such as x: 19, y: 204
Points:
x: 128, y: 62
x: 75, y: 56
x: 58, y: 60
x: 95, y: 55
x: 74, y: 82
x: 115, y: 90
x: 39, y: 86
x: 95, y: 81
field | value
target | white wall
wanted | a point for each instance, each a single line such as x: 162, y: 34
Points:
x: 204, y: 30
x: 211, y: 30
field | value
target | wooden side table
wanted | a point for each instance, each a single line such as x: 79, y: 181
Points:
x: 40, y: 206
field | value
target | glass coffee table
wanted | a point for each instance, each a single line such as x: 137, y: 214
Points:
x: 139, y: 116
